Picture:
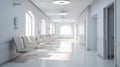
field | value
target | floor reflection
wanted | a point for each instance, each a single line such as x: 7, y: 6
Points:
x: 61, y: 53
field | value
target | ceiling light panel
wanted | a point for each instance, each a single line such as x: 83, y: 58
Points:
x: 61, y: 14
x: 61, y: 2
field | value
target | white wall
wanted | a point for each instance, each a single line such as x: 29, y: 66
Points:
x: 87, y: 30
x: 117, y: 33
x: 6, y: 28
x: 96, y: 8
x: 7, y: 31
x: 81, y: 22
x: 81, y: 32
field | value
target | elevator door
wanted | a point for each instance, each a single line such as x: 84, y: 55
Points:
x: 111, y: 31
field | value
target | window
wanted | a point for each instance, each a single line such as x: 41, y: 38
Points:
x: 39, y: 28
x: 52, y: 28
x: 43, y: 27
x: 65, y: 30
x: 30, y: 24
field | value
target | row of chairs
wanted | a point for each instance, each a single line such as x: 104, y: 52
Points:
x: 29, y: 43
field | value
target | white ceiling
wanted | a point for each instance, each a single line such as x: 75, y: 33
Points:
x: 74, y: 9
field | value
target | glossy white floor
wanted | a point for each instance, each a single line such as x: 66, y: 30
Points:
x: 62, y: 53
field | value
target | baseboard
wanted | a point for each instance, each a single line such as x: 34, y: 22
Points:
x: 116, y: 66
x: 9, y: 60
x: 88, y: 49
x: 101, y: 56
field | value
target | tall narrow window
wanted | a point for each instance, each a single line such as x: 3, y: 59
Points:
x: 43, y: 27
x: 39, y: 28
x: 66, y: 30
x: 51, y: 28
x: 30, y: 24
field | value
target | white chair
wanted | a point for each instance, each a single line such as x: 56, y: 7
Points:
x: 35, y: 42
x: 40, y: 40
x: 48, y: 38
x: 32, y: 39
x: 20, y: 48
x: 29, y: 45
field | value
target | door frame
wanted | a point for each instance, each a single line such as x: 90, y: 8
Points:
x: 115, y: 34
x: 106, y: 30
x: 95, y: 17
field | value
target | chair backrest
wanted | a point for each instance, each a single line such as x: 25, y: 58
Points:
x: 19, y: 44
x: 32, y: 38
x: 26, y: 41
x: 29, y: 45
x: 38, y: 38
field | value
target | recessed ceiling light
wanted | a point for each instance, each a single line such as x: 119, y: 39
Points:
x: 61, y: 2
x: 62, y: 14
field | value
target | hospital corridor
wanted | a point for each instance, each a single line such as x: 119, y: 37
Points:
x: 59, y: 33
